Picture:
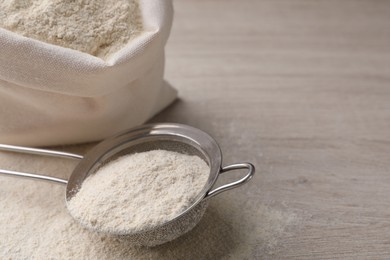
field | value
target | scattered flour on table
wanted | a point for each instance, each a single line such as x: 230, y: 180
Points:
x: 139, y: 191
x: 97, y: 27
x: 35, y: 224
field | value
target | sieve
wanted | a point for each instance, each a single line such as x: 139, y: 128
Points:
x: 164, y: 136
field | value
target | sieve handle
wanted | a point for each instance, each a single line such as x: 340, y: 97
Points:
x: 36, y: 151
x: 237, y: 166
x: 33, y: 176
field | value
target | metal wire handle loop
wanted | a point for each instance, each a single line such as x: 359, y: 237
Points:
x: 36, y: 151
x: 232, y: 185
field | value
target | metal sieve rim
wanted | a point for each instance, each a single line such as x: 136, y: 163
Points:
x: 104, y: 151
x: 171, y: 131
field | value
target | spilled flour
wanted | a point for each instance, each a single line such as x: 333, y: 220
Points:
x: 35, y: 224
x: 97, y: 27
x: 139, y: 191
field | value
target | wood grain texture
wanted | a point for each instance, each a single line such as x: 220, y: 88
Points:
x: 301, y: 89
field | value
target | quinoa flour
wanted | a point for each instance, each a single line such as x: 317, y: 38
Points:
x: 139, y: 191
x: 97, y: 27
x: 35, y: 224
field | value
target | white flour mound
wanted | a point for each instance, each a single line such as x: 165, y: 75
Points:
x: 97, y: 27
x: 139, y: 191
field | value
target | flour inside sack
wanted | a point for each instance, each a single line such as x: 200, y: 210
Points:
x: 97, y: 27
x: 139, y: 191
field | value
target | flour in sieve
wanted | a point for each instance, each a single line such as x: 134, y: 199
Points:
x: 97, y: 27
x: 139, y: 191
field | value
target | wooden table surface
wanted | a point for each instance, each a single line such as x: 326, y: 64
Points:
x: 300, y: 88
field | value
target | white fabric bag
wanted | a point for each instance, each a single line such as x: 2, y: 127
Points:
x: 51, y: 95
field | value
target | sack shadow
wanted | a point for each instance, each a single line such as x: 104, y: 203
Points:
x: 176, y: 112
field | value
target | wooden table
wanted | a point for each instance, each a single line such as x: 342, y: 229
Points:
x: 301, y: 89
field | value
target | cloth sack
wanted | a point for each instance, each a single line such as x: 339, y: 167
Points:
x: 50, y: 95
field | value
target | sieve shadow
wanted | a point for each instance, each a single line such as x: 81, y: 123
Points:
x: 212, y: 238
